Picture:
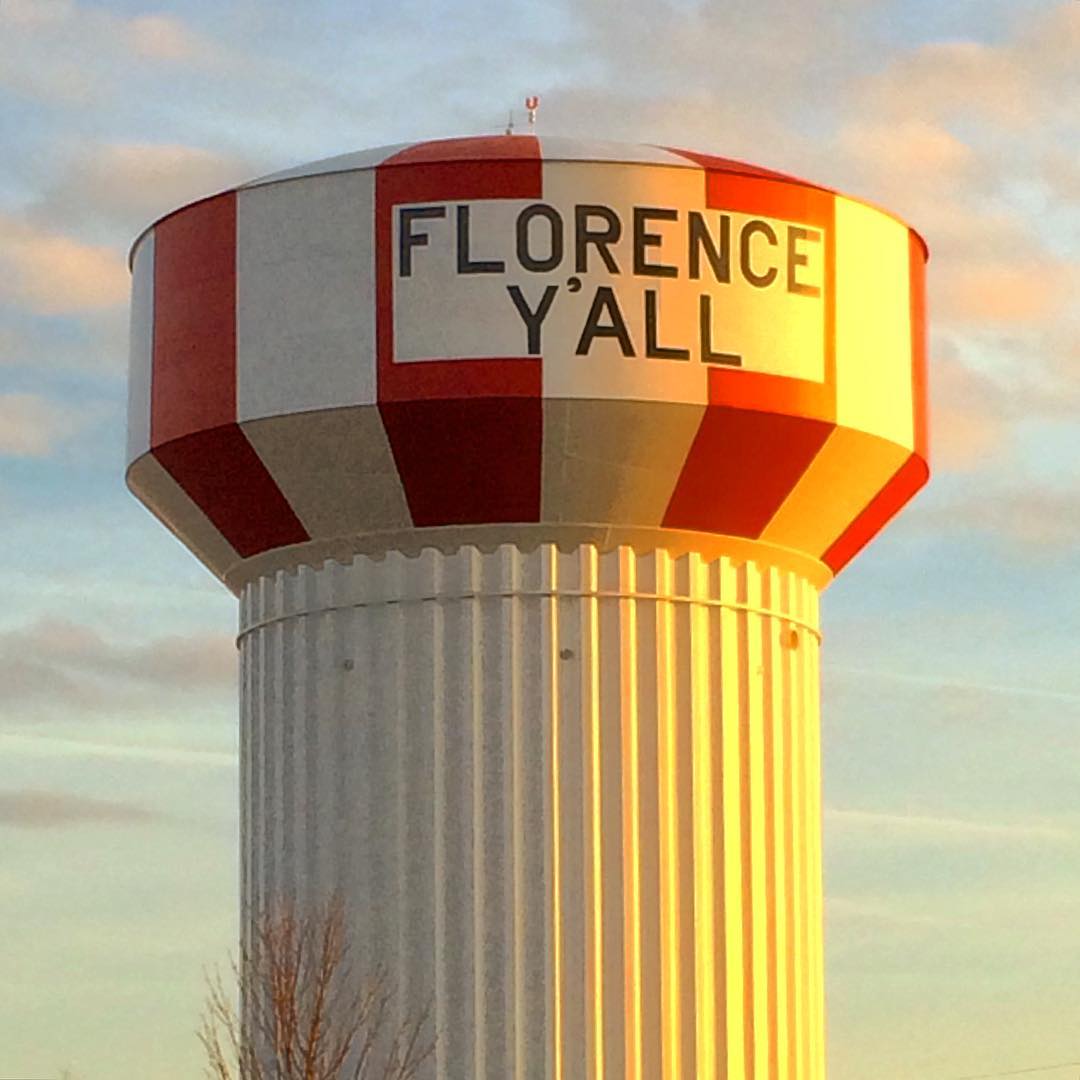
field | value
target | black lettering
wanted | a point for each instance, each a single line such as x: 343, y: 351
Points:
x: 707, y: 354
x: 534, y: 320
x: 652, y: 350
x: 604, y: 302
x: 701, y: 240
x: 750, y: 229
x: 601, y: 238
x: 465, y: 263
x: 644, y: 239
x: 525, y: 256
x: 407, y: 239
x: 796, y: 258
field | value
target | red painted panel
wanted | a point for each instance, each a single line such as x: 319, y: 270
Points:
x: 905, y: 482
x: 917, y: 256
x: 468, y: 461
x: 790, y: 201
x: 220, y: 470
x: 480, y: 148
x: 741, y: 467
x: 466, y: 434
x: 730, y: 165
x: 193, y: 384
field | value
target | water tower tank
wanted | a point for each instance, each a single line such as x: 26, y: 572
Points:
x: 528, y: 459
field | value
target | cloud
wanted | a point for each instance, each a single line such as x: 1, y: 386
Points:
x: 68, y: 53
x: 1028, y: 517
x: 968, y: 417
x: 123, y: 186
x: 52, y: 274
x: 90, y: 341
x: 1031, y: 289
x: 920, y: 150
x: 45, y: 746
x: 162, y: 37
x: 876, y: 913
x: 956, y: 79
x: 57, y: 664
x: 30, y: 809
x: 845, y: 823
x: 33, y: 426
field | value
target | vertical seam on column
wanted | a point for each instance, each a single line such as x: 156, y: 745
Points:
x: 439, y: 803
x: 516, y: 785
x: 811, y: 710
x: 591, y: 691
x: 746, y: 837
x: 770, y: 634
x: 479, y: 840
x: 551, y: 610
x: 631, y: 811
x: 701, y: 660
x: 669, y: 839
x: 734, y: 944
x: 798, y: 809
x: 790, y: 671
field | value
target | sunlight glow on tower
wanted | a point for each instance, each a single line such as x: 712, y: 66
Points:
x: 528, y: 459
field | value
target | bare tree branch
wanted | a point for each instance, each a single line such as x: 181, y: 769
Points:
x: 306, y: 1013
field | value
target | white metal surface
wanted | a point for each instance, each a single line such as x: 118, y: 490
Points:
x: 572, y: 797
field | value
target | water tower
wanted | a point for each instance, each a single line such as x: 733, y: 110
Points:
x: 528, y: 459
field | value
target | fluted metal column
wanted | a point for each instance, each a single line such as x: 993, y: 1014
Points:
x: 572, y: 797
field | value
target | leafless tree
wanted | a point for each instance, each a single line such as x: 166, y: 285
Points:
x: 306, y: 1013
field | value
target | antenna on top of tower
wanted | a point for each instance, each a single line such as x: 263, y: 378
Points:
x: 532, y: 104
x: 510, y: 122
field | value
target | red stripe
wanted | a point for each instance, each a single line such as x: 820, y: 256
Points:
x: 917, y: 266
x: 741, y: 467
x: 905, y: 482
x: 220, y: 471
x: 730, y: 165
x: 480, y: 148
x: 193, y: 384
x: 466, y: 462
x: 787, y: 200
x: 466, y: 434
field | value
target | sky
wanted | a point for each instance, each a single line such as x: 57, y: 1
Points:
x: 951, y: 684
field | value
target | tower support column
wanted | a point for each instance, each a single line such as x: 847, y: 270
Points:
x: 569, y: 797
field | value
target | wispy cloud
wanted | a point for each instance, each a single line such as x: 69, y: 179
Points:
x: 846, y: 822
x: 69, y: 53
x: 120, y: 187
x: 49, y: 273
x: 31, y: 809
x: 47, y: 746
x: 56, y: 664
x: 877, y: 912
x: 967, y: 685
x: 33, y: 426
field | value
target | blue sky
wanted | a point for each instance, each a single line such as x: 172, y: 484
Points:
x: 951, y: 665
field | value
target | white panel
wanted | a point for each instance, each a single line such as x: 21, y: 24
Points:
x: 305, y: 296
x: 571, y: 798
x: 359, y: 159
x: 873, y: 323
x: 141, y: 349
